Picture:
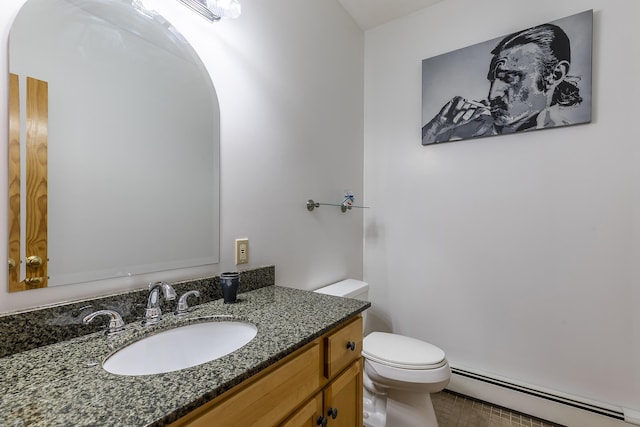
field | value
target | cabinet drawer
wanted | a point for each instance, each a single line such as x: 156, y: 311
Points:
x: 342, y: 347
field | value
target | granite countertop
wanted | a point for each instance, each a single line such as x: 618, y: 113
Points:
x: 64, y: 384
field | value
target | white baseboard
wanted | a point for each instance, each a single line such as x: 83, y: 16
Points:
x: 631, y: 416
x: 549, y: 409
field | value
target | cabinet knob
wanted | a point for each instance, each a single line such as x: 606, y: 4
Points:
x: 322, y: 421
x: 12, y: 263
x: 351, y: 345
x: 332, y: 412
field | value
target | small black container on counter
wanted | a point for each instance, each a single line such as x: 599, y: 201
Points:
x: 229, y: 283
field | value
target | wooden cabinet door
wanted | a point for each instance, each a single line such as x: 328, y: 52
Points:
x: 343, y: 398
x: 265, y: 401
x: 28, y: 204
x: 308, y: 415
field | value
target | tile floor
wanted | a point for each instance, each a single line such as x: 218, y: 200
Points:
x: 456, y: 410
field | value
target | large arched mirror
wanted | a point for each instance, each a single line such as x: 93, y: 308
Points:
x: 130, y: 120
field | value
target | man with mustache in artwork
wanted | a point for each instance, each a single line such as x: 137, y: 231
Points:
x: 529, y: 88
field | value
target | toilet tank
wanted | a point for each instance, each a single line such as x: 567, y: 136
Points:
x: 349, y: 288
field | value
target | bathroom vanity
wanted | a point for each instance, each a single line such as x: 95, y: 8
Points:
x: 323, y: 380
x: 303, y: 367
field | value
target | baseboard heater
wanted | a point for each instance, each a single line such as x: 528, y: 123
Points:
x: 584, y: 405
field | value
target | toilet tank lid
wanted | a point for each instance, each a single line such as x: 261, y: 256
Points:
x: 401, y: 351
x: 345, y: 288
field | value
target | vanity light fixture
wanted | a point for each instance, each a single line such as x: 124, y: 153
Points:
x: 143, y: 8
x: 214, y: 10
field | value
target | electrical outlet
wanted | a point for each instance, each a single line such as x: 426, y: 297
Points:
x: 242, y: 251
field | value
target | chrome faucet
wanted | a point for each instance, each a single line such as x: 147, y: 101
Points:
x: 183, y: 307
x: 153, y: 313
x: 116, y: 324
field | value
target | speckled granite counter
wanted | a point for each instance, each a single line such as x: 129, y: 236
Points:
x: 32, y: 328
x: 64, y: 384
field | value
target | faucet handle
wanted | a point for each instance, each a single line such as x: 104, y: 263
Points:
x: 153, y: 312
x: 167, y: 290
x: 183, y: 307
x: 116, y: 324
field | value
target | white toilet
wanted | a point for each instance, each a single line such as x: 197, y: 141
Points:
x: 400, y: 372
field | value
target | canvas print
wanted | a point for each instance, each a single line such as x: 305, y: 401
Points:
x: 536, y: 78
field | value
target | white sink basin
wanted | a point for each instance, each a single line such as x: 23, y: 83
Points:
x: 180, y: 348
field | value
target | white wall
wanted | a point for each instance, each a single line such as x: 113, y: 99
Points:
x: 289, y: 77
x: 514, y: 254
x: 517, y: 255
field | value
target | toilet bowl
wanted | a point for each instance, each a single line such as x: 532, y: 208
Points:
x: 400, y: 372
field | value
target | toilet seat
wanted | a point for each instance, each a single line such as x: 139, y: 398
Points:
x: 402, y: 352
x: 399, y: 378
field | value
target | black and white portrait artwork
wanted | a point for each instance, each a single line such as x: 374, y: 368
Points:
x: 536, y: 78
